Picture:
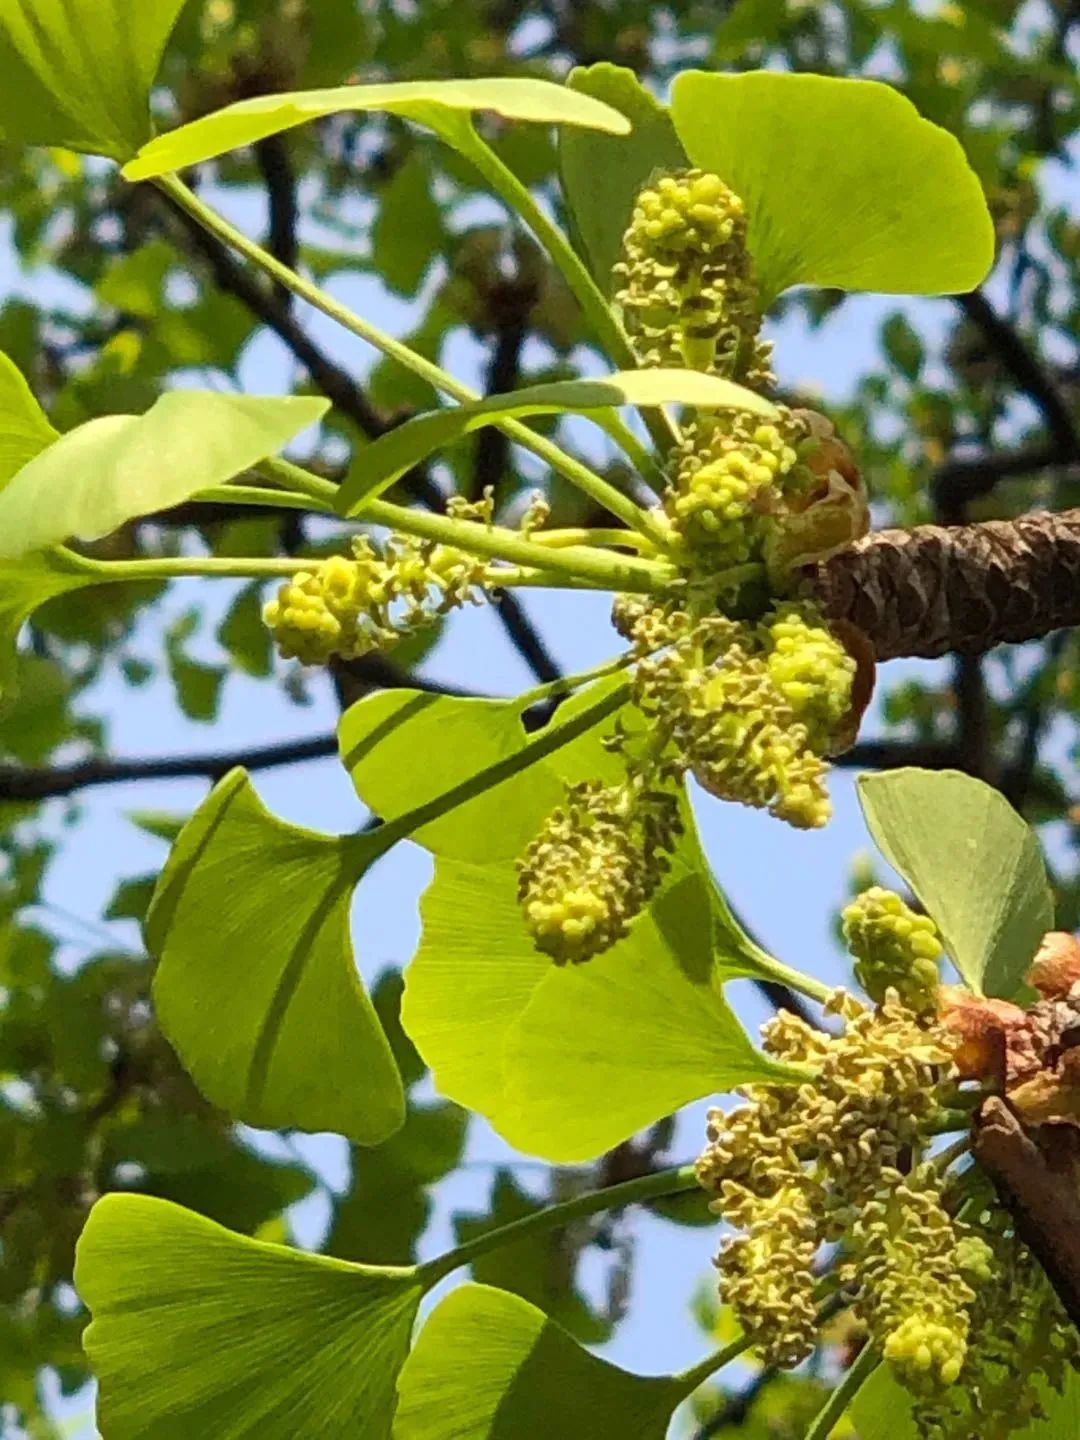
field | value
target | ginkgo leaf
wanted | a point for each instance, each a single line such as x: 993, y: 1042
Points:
x: 844, y: 183
x: 651, y: 1030
x: 438, y: 104
x: 602, y: 174
x: 24, y: 427
x: 490, y: 1366
x: 78, y: 73
x: 490, y: 785
x: 381, y: 735
x: 378, y: 465
x: 256, y: 986
x: 118, y: 467
x: 974, y: 864
x: 197, y: 1331
x: 651, y: 1033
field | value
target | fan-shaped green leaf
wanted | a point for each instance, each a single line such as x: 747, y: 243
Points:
x: 378, y: 465
x: 382, y: 735
x: 844, y: 183
x: 488, y: 1366
x: 24, y: 427
x: 487, y: 784
x: 974, y: 864
x: 602, y: 174
x: 197, y: 1331
x: 117, y: 467
x: 567, y: 1062
x: 650, y: 1032
x: 25, y: 585
x: 438, y: 104
x: 78, y: 73
x: 256, y: 985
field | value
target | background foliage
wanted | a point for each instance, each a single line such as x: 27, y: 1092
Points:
x: 962, y: 409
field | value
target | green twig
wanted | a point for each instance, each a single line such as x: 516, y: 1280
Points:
x: 557, y: 1217
x: 586, y: 565
x: 566, y: 683
x: 176, y: 567
x: 579, y: 474
x: 825, y: 1420
x: 603, y: 319
x: 258, y: 495
x: 602, y: 568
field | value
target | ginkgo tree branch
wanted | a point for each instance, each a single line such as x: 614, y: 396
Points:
x: 934, y: 590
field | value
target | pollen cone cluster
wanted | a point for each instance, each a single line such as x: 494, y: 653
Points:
x: 352, y: 606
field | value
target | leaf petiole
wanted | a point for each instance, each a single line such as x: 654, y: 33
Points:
x: 572, y: 469
x: 557, y: 1217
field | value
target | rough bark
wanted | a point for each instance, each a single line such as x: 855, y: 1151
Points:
x: 1039, y: 1187
x: 935, y: 590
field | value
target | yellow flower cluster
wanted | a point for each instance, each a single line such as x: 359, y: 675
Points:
x: 351, y: 607
x: 823, y: 1161
x: 911, y: 1287
x: 595, y: 863
x: 724, y: 480
x: 748, y: 712
x: 893, y: 948
x: 687, y: 289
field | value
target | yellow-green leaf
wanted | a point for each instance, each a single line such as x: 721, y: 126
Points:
x: 24, y: 426
x: 256, y: 986
x: 845, y: 184
x: 78, y: 73
x: 118, y: 467
x: 198, y: 1332
x: 489, y: 1366
x: 438, y: 104
x: 974, y: 864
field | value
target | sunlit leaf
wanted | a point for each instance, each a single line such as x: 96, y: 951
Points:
x: 118, y: 467
x: 381, y: 736
x: 78, y: 73
x: 489, y: 1366
x: 650, y: 1030
x: 602, y: 174
x: 438, y: 104
x: 24, y: 427
x: 378, y: 465
x: 256, y: 986
x: 844, y: 183
x: 974, y: 864
x: 197, y: 1331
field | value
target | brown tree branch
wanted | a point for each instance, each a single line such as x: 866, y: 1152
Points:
x: 935, y: 590
x: 24, y: 785
x: 282, y: 236
x: 960, y: 480
x: 1041, y: 1195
